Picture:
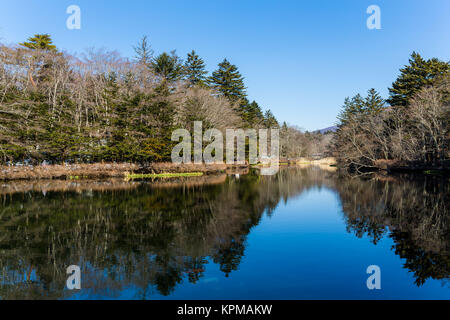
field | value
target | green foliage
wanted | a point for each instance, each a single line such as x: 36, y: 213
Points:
x: 371, y: 136
x: 418, y: 74
x: 270, y: 121
x: 102, y: 107
x: 373, y: 103
x: 153, y: 150
x: 167, y: 66
x: 252, y: 113
x: 360, y: 107
x: 10, y: 152
x: 194, y: 69
x: 61, y: 143
x: 39, y: 41
x: 228, y: 81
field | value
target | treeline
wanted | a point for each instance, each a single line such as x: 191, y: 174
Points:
x: 411, y: 128
x: 99, y: 106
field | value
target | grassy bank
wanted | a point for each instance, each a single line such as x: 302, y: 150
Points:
x: 110, y: 170
x: 69, y: 171
x: 162, y: 175
x: 325, y: 161
x: 75, y: 172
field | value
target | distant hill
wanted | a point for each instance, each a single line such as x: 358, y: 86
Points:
x: 326, y: 130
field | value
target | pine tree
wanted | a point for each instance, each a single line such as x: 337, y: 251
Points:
x: 168, y: 66
x: 284, y: 132
x: 39, y: 41
x: 351, y: 108
x: 115, y: 150
x: 418, y: 74
x: 144, y: 52
x: 251, y: 113
x: 270, y: 121
x: 194, y: 69
x: 228, y: 81
x: 360, y: 107
x: 158, y: 145
x: 373, y: 103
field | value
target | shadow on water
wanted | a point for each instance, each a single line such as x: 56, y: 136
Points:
x: 155, y: 235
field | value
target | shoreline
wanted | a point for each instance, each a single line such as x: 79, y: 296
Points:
x: 74, y: 172
x: 394, y: 166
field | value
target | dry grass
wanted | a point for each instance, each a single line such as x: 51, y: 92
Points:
x: 106, y: 170
x: 169, y: 167
x: 162, y: 175
x: 73, y: 171
x: 325, y: 161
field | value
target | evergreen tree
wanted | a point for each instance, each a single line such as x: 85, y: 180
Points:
x: 228, y: 81
x: 360, y: 107
x: 116, y: 149
x: 251, y: 113
x: 39, y: 41
x: 158, y: 145
x: 418, y: 74
x: 194, y: 69
x: 270, y: 121
x: 373, y: 103
x: 351, y: 107
x: 168, y: 66
x: 144, y: 52
x: 285, y: 140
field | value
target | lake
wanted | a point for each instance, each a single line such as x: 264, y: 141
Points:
x: 305, y: 233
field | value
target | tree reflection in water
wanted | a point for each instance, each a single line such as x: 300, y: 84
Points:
x: 154, y: 235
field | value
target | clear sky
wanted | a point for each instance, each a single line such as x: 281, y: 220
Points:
x: 299, y: 58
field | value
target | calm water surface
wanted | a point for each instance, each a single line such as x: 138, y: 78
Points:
x: 302, y: 234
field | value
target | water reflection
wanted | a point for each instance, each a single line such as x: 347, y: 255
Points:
x: 155, y: 236
x: 413, y: 210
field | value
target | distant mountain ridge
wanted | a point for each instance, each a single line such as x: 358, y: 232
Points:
x: 326, y: 130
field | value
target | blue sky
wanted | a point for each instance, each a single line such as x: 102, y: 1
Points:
x: 299, y: 58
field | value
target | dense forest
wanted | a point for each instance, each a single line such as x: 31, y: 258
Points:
x: 99, y: 106
x: 410, y: 128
